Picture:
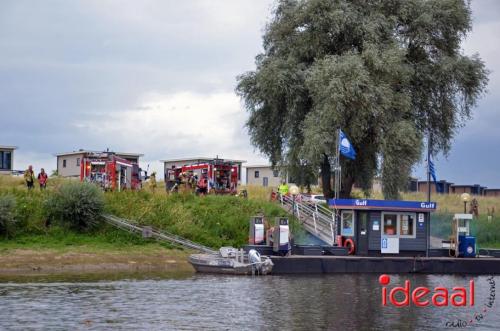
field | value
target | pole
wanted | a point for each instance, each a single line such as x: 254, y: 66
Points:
x: 428, y: 228
x: 429, y: 168
x: 337, y: 172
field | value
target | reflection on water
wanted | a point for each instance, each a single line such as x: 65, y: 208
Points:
x: 336, y: 302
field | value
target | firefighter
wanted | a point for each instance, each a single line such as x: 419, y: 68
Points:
x: 42, y: 179
x: 29, y: 177
x: 202, y: 185
x: 152, y: 181
x: 184, y: 182
x: 283, y: 188
x: 178, y: 182
x: 171, y: 180
x: 192, y: 181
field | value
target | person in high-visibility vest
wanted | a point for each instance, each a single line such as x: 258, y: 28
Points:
x: 283, y: 188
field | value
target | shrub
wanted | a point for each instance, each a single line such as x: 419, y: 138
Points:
x: 7, y: 211
x: 78, y: 205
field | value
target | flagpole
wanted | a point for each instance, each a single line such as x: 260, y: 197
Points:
x: 337, y: 166
x: 429, y: 168
x: 428, y: 228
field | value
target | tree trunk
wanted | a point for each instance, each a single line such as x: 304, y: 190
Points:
x: 326, y: 176
x: 346, y: 187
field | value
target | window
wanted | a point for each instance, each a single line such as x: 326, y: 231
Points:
x: 390, y: 224
x: 77, y: 161
x: 401, y: 225
x: 64, y: 163
x: 347, y: 223
x: 5, y: 160
x: 256, y: 174
x: 407, y: 225
x: 276, y: 173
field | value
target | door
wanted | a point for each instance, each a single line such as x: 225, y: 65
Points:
x: 265, y: 181
x: 362, y: 233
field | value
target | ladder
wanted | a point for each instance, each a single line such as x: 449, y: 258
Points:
x: 316, y: 219
x: 162, y: 235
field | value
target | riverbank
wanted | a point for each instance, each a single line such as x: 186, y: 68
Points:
x: 36, y: 244
x: 88, y: 261
x: 102, y: 253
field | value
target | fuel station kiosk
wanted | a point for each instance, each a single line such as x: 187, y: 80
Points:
x: 383, y: 227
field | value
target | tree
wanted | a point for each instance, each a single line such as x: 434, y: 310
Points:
x: 389, y: 73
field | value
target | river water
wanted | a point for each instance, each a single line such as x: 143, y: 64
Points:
x: 205, y: 302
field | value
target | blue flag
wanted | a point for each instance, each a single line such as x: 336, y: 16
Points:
x: 345, y: 147
x: 432, y: 171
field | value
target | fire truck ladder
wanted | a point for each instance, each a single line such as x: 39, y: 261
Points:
x: 316, y: 219
x: 162, y: 235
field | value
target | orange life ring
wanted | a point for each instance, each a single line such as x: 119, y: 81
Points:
x: 349, y: 244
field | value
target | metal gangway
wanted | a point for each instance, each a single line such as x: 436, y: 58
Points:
x: 149, y: 231
x: 316, y: 219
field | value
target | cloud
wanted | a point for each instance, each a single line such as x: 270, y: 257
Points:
x: 157, y: 77
x: 183, y: 124
x: 66, y: 66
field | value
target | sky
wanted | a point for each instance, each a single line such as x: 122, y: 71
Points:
x: 158, y: 78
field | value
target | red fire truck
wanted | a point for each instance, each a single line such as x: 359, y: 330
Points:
x: 222, y: 176
x: 110, y: 171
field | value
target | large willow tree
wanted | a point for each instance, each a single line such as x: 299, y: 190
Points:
x: 390, y: 73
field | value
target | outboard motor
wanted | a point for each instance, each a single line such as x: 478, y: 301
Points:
x: 254, y: 256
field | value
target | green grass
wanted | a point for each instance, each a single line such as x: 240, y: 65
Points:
x: 59, y: 238
x: 210, y: 220
x: 451, y: 203
x: 214, y: 221
x: 487, y: 232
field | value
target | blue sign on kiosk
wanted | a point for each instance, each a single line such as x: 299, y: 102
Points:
x: 380, y: 227
x: 383, y: 204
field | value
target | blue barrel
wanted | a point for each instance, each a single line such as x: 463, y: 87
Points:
x: 467, y: 246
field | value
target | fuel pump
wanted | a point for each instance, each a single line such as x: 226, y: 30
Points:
x: 256, y: 236
x: 281, y: 236
x: 463, y: 244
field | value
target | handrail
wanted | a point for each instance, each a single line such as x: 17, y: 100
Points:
x: 318, y: 220
x: 128, y: 225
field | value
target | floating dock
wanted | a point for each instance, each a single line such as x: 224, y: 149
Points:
x: 377, y: 236
x: 314, y: 259
x: 297, y: 264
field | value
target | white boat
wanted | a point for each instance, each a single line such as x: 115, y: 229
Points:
x: 229, y: 260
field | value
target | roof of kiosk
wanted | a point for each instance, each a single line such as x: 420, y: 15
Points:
x: 368, y: 204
